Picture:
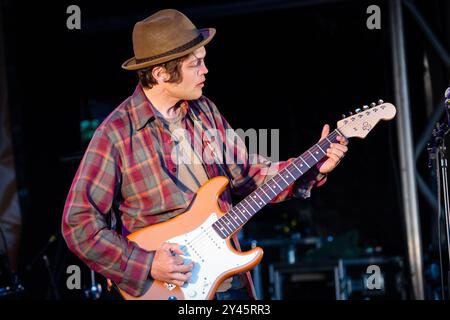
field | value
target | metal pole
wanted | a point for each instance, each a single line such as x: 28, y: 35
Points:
x: 434, y: 41
x: 409, y: 190
x: 444, y: 178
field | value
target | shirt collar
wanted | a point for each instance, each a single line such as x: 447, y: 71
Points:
x: 142, y: 111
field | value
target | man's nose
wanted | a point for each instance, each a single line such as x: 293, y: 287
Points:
x: 203, y: 69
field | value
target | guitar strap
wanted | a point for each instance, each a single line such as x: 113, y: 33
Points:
x: 199, y: 124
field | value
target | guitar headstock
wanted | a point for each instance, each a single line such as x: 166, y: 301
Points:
x: 362, y: 121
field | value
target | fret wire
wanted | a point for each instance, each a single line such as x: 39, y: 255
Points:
x: 237, y: 215
x: 333, y: 135
x: 225, y: 231
x: 268, y: 184
x: 283, y: 179
x: 316, y: 152
x: 262, y: 188
x: 288, y: 171
x: 245, y: 210
x: 256, y: 203
x: 275, y: 180
x: 288, y: 174
x: 293, y: 162
x: 228, y: 217
x: 280, y: 188
x: 307, y: 159
x: 259, y: 197
x: 230, y: 225
x: 305, y: 163
x: 250, y: 206
x: 218, y: 229
x: 240, y: 219
x: 312, y: 155
x: 319, y: 147
x: 323, y: 144
x: 243, y: 213
x: 225, y: 224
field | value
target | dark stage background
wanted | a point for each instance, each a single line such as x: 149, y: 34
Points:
x: 292, y: 66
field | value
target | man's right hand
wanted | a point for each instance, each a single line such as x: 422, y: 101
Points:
x: 170, y: 268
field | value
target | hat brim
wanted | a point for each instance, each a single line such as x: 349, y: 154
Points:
x: 207, y: 34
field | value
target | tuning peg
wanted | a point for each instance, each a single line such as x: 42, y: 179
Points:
x: 350, y: 113
x: 358, y: 110
x: 380, y: 102
x: 373, y: 104
x: 344, y: 116
x: 365, y: 107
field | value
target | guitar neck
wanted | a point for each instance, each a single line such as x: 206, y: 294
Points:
x: 264, y: 194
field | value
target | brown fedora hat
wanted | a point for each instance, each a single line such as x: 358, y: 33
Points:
x: 166, y: 35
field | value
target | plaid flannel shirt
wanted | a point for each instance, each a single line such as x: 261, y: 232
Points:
x: 128, y: 167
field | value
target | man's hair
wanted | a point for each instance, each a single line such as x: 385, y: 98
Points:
x: 173, y: 68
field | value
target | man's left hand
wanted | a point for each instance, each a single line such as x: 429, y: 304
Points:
x: 335, y: 152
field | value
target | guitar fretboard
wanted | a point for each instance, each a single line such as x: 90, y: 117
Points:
x: 244, y: 210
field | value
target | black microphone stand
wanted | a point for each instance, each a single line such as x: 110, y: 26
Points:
x: 437, y: 152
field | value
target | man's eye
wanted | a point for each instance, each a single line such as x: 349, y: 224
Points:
x: 197, y: 63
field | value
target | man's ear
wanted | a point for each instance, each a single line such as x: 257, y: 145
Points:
x: 160, y: 74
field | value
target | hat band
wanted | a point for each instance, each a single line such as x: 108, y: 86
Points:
x: 185, y: 46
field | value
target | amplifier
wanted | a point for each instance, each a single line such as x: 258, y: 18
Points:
x: 366, y: 278
x: 304, y: 281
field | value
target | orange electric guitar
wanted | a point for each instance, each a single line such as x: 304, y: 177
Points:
x: 204, y: 231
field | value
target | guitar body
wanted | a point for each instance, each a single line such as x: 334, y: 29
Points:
x: 215, y: 259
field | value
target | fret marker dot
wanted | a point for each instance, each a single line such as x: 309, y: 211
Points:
x: 260, y: 203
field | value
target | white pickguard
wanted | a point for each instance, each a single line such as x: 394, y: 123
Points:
x: 211, y: 257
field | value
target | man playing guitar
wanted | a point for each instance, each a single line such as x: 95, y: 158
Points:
x: 132, y: 165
